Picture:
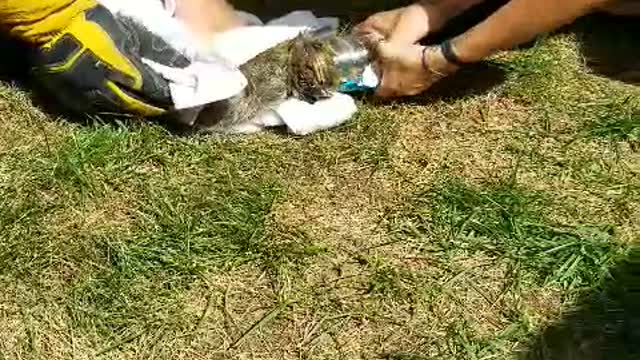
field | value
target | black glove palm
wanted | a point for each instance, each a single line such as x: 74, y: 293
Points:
x: 94, y: 66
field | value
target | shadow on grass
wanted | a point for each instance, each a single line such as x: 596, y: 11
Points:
x: 13, y: 67
x: 604, y: 325
x: 609, y: 45
x: 476, y: 79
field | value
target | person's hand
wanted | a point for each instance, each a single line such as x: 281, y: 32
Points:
x: 411, y: 23
x: 382, y: 23
x: 94, y: 65
x: 408, y: 70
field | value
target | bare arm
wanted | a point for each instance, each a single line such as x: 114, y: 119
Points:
x: 517, y: 22
x: 418, y: 20
x: 408, y: 69
x: 205, y: 18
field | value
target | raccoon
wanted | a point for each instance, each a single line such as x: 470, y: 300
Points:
x: 309, y: 67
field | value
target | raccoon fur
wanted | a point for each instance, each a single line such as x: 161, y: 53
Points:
x: 300, y: 68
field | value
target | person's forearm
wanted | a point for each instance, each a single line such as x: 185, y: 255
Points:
x: 427, y: 16
x: 207, y: 17
x: 518, y: 22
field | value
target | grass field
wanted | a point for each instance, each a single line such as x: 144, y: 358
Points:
x: 497, y: 220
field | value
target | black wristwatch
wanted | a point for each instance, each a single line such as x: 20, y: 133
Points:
x: 449, y: 54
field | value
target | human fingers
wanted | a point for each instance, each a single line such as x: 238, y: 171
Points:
x: 383, y: 22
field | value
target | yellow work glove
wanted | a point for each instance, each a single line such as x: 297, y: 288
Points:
x: 90, y: 60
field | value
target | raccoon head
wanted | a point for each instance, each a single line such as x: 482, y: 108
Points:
x: 311, y: 73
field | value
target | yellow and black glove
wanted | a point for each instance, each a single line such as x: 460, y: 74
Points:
x: 89, y: 59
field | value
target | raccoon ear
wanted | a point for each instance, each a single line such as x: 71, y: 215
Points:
x: 296, y: 41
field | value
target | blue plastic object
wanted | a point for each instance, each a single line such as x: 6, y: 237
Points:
x: 351, y: 86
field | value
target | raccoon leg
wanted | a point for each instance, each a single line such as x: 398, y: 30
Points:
x: 265, y: 119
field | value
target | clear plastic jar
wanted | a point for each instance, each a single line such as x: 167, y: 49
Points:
x: 352, y: 60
